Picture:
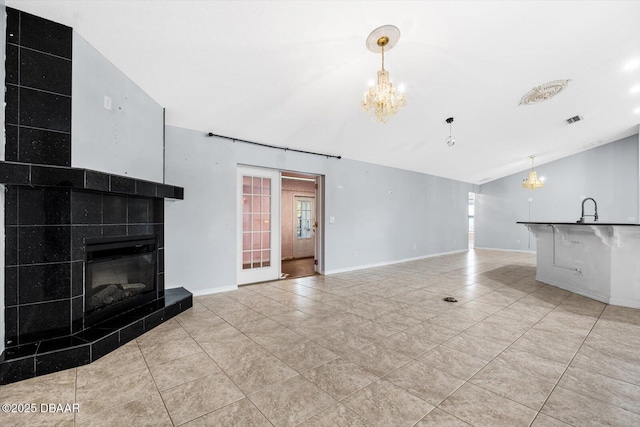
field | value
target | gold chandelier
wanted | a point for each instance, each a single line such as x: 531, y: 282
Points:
x: 382, y: 97
x: 532, y: 182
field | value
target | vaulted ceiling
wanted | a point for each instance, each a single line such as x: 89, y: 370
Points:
x: 293, y: 74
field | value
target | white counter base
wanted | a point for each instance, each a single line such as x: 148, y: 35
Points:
x: 598, y: 261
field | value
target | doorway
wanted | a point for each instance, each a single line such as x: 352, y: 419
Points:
x: 471, y: 215
x: 299, y: 225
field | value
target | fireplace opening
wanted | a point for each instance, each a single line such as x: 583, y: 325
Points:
x: 120, y: 275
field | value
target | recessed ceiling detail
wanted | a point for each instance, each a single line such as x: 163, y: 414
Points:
x: 544, y: 92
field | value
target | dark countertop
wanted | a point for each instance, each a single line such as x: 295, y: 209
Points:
x: 624, y: 224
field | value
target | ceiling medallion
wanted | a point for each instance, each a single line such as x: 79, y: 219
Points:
x: 544, y: 92
x: 382, y: 97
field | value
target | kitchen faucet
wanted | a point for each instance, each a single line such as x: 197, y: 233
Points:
x: 595, y: 213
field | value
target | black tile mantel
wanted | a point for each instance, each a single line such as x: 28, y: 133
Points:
x: 35, y: 175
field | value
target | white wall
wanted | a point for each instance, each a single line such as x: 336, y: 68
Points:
x: 126, y: 140
x: 608, y: 173
x: 380, y: 212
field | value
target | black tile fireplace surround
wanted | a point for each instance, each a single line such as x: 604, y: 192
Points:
x: 53, y: 210
x: 51, y: 216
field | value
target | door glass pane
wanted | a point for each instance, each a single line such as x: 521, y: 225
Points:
x: 246, y: 223
x: 257, y: 185
x: 304, y: 219
x: 257, y: 203
x: 256, y: 222
x: 246, y: 260
x: 246, y: 185
x: 266, y: 240
x: 256, y: 242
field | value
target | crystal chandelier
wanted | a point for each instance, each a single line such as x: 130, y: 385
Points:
x: 382, y: 97
x: 532, y: 182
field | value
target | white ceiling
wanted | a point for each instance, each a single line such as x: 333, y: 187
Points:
x: 293, y: 73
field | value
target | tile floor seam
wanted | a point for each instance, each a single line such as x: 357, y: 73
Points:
x: 154, y: 382
x: 279, y: 383
x: 408, y: 391
x: 494, y: 358
x: 569, y: 364
x: 75, y: 396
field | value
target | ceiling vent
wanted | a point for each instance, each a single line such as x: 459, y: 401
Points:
x: 574, y: 119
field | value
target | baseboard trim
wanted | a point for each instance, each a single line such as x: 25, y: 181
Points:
x: 398, y: 261
x: 505, y: 250
x: 209, y: 291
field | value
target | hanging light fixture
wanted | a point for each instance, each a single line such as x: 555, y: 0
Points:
x: 450, y: 140
x: 532, y: 182
x: 382, y: 97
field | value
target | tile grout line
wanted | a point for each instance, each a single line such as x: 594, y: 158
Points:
x: 567, y: 368
x: 222, y: 370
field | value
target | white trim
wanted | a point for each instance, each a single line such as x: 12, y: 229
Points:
x: 506, y: 250
x: 209, y: 291
x: 398, y: 261
x: 624, y: 302
x: 598, y: 297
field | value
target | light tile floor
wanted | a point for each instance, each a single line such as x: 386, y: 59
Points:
x: 373, y: 347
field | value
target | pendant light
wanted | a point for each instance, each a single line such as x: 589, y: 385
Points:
x: 450, y: 140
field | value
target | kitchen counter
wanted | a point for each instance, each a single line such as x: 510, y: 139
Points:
x: 595, y: 259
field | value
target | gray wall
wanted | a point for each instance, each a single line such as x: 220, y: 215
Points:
x: 126, y: 140
x: 380, y: 212
x: 3, y: 26
x: 608, y: 173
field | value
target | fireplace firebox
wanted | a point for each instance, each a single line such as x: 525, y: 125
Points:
x: 120, y: 274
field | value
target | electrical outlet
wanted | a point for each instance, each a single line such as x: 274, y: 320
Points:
x: 414, y: 246
x: 355, y: 252
x: 107, y: 103
x: 518, y: 241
